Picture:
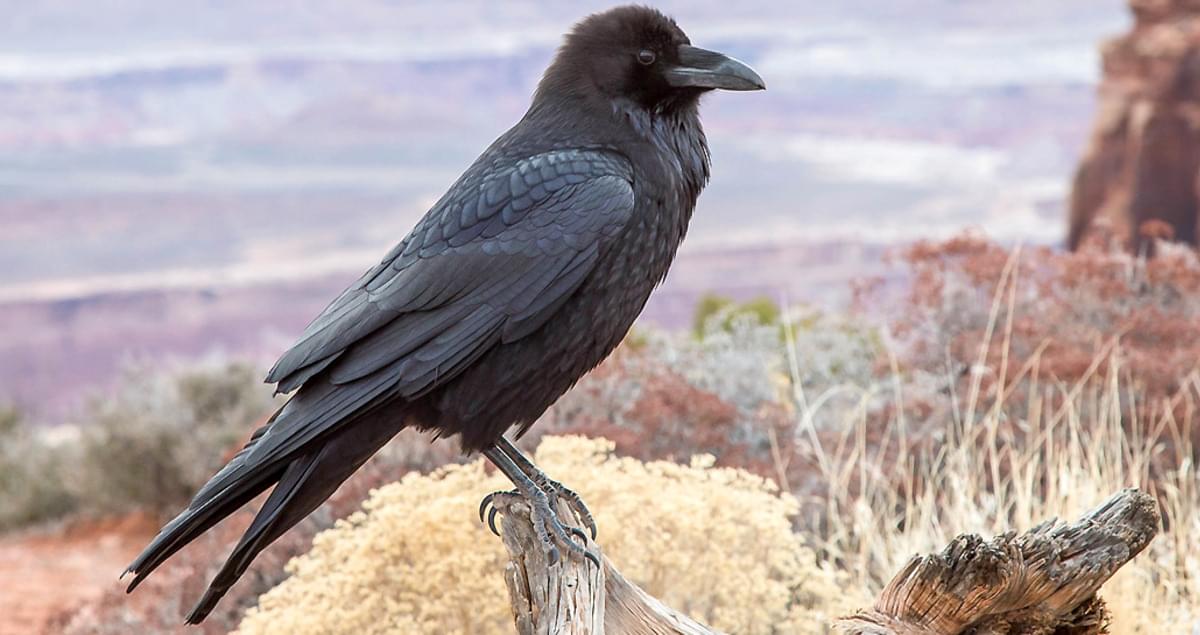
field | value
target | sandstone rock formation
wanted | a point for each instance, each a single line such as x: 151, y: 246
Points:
x: 1141, y: 173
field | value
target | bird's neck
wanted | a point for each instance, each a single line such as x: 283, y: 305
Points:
x: 676, y: 132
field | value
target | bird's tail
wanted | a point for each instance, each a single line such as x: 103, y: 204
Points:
x: 302, y: 483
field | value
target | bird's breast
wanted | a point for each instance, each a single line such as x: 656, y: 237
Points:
x: 675, y: 176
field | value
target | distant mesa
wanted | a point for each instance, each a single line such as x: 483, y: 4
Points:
x: 1140, y: 176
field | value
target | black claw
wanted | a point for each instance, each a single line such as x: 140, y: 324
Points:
x: 491, y: 521
x: 587, y: 521
x: 577, y: 532
x: 483, y: 505
x: 577, y: 505
x: 539, y: 491
x: 564, y: 534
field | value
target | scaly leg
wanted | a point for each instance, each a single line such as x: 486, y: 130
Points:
x: 547, y: 484
x: 545, y: 521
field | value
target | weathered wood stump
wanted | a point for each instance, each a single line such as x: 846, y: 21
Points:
x: 575, y: 597
x: 1040, y: 582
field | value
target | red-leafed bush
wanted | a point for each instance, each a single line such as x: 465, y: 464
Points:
x: 652, y: 412
x: 989, y: 323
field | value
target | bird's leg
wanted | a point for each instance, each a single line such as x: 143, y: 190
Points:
x: 545, y: 521
x: 548, y: 485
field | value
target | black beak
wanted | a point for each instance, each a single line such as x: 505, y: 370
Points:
x: 700, y: 68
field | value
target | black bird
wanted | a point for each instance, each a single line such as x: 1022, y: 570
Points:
x: 525, y: 275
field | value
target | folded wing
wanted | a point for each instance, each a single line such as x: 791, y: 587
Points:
x: 490, y: 263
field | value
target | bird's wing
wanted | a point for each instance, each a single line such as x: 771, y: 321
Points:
x: 504, y: 241
x: 497, y: 256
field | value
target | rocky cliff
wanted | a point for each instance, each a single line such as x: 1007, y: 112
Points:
x: 1141, y: 173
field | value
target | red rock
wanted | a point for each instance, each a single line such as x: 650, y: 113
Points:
x: 1142, y: 168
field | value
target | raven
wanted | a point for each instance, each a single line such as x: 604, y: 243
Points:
x: 521, y: 278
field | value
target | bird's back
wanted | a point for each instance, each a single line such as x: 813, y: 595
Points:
x: 515, y: 382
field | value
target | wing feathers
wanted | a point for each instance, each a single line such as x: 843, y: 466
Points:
x: 518, y: 241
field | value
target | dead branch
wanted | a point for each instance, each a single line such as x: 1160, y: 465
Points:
x: 574, y: 597
x: 1040, y: 582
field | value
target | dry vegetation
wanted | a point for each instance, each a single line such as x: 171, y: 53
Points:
x: 167, y: 431
x: 1023, y: 387
x: 31, y: 488
x: 411, y: 564
x: 1006, y: 387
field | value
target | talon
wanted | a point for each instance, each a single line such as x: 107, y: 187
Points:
x: 575, y: 531
x: 483, y: 505
x: 590, y: 524
x: 543, y: 495
x: 576, y: 503
x: 585, y: 516
x: 491, y: 520
x: 564, y: 533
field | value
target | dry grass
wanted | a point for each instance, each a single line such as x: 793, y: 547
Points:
x: 1020, y: 445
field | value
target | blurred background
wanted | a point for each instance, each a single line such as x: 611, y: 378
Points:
x: 184, y: 185
x: 186, y: 177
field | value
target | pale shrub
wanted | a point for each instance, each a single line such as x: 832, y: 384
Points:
x: 31, y: 487
x: 716, y: 543
x: 739, y: 362
x: 151, y: 442
x: 147, y: 444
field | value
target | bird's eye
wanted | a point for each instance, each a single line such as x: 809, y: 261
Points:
x: 646, y: 57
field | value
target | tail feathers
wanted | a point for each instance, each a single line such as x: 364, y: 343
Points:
x: 206, y: 509
x: 306, y: 482
x: 239, y: 469
x: 270, y: 523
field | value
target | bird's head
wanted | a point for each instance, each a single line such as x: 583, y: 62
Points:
x: 638, y: 54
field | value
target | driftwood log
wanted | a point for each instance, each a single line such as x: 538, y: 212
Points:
x: 1041, y: 582
x: 575, y: 597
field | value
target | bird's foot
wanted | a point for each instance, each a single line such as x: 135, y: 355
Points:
x: 548, y: 485
x: 569, y: 496
x: 551, y: 532
x: 487, y: 506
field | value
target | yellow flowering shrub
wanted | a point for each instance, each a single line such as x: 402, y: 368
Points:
x: 716, y: 543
